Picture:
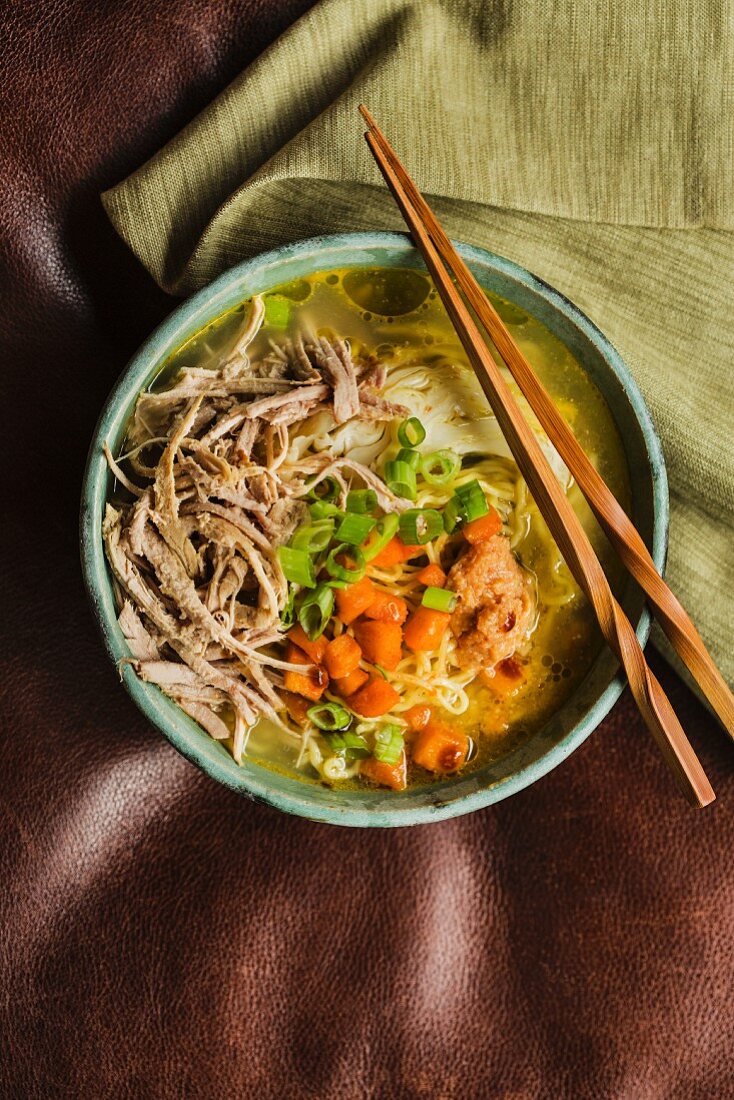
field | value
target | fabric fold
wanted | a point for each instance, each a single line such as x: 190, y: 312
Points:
x: 592, y: 144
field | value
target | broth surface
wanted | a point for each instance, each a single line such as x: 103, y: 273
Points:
x: 396, y: 315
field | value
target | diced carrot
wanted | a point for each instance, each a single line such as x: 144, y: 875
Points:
x: 312, y: 684
x: 479, y: 530
x: 396, y: 551
x: 387, y: 608
x: 296, y: 706
x: 386, y: 775
x: 418, y: 716
x: 375, y: 698
x: 439, y: 748
x: 425, y: 629
x: 347, y: 685
x: 382, y: 643
x: 315, y: 650
x: 432, y: 576
x: 342, y: 656
x: 506, y: 678
x: 352, y: 601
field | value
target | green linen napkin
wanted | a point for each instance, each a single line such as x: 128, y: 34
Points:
x: 591, y: 143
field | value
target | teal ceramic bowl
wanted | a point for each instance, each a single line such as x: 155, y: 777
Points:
x: 594, y: 697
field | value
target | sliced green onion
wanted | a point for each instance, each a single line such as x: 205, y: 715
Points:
x: 329, y: 716
x: 288, y: 614
x: 313, y: 538
x: 341, y: 572
x: 472, y: 501
x: 354, y: 529
x: 361, y: 500
x: 439, y: 599
x: 326, y: 489
x: 297, y: 566
x: 439, y: 467
x: 322, y: 509
x: 417, y: 526
x: 316, y: 610
x: 348, y: 744
x: 332, y: 583
x: 385, y: 529
x: 413, y: 458
x: 400, y: 479
x: 388, y: 743
x: 451, y: 516
x: 277, y: 311
x: 411, y: 432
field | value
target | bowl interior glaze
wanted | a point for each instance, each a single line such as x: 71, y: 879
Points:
x: 595, y: 695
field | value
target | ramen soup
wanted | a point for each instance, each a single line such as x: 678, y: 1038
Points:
x: 323, y: 550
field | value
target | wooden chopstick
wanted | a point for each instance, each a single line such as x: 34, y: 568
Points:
x: 557, y: 512
x: 621, y: 532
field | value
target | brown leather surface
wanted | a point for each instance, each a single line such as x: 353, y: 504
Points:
x: 161, y: 937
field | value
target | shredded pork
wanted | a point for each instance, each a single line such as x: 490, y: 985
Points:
x: 195, y: 555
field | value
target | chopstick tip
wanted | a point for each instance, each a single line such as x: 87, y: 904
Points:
x: 367, y: 116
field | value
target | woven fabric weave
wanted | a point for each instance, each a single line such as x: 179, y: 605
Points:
x: 592, y: 144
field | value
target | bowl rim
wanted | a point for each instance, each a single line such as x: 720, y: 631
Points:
x: 154, y: 704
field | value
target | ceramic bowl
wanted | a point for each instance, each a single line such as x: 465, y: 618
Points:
x: 596, y: 694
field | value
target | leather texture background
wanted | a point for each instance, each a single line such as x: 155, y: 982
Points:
x: 161, y: 937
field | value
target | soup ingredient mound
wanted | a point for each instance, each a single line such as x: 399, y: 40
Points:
x: 496, y: 610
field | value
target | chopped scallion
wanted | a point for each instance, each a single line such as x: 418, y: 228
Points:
x: 322, y: 509
x: 417, y: 526
x: 388, y: 743
x: 361, y: 501
x: 385, y: 529
x: 316, y: 610
x: 451, y: 516
x: 439, y: 599
x: 472, y: 501
x: 340, y: 572
x: 297, y: 566
x: 329, y: 716
x: 313, y: 538
x: 411, y: 432
x: 413, y: 458
x: 354, y: 529
x: 350, y: 745
x: 439, y: 467
x: 327, y: 489
x: 400, y: 479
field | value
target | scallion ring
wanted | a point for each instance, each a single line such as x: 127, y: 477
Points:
x: 297, y: 566
x: 472, y: 500
x: 361, y: 501
x: 313, y: 538
x: 388, y: 743
x: 400, y: 479
x: 340, y: 572
x: 316, y: 610
x: 327, y: 489
x: 354, y: 528
x: 323, y: 509
x: 329, y: 716
x: 350, y: 745
x: 411, y: 432
x: 439, y: 467
x: 417, y: 526
x: 413, y: 458
x: 385, y: 529
x: 439, y: 599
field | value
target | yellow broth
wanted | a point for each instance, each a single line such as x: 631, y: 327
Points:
x: 396, y: 315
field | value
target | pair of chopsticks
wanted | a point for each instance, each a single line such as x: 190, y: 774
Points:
x: 572, y: 541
